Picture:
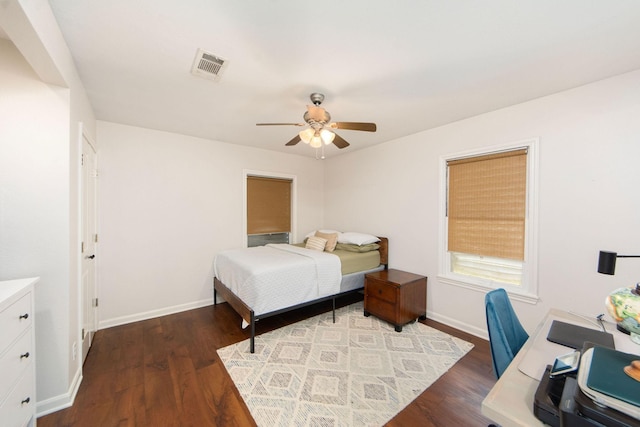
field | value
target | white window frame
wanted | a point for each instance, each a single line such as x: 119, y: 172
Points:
x: 527, y: 291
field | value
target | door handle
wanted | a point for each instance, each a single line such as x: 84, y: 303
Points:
x: 90, y: 256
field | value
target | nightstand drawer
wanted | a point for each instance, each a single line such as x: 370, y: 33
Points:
x: 382, y: 309
x: 381, y: 290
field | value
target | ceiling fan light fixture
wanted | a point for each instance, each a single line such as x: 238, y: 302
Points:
x: 327, y: 136
x: 316, y: 141
x: 306, y: 135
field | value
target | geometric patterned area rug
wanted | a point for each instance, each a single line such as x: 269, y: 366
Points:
x: 356, y: 372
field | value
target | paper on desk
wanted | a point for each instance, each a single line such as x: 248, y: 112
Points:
x: 541, y: 353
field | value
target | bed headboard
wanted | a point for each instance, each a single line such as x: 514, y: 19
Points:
x: 384, y: 251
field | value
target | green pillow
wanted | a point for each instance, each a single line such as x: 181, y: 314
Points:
x: 358, y: 248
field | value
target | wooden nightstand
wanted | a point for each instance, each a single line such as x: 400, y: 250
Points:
x: 395, y: 296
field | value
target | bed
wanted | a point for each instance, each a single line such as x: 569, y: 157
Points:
x: 268, y: 280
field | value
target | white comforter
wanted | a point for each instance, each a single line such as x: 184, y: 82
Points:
x: 276, y: 276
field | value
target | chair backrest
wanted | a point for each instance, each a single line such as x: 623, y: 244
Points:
x: 506, y: 334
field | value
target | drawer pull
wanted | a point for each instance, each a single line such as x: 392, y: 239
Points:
x: 380, y: 291
x: 24, y: 316
x: 25, y: 401
x: 24, y: 356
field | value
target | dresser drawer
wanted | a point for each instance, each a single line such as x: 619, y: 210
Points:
x: 19, y: 407
x: 381, y: 290
x: 14, y: 361
x: 14, y: 320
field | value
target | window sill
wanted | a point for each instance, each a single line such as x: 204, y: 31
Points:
x: 515, y: 294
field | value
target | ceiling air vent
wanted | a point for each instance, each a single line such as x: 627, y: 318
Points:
x: 208, y: 65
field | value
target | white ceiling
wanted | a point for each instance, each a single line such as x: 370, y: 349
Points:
x: 407, y: 65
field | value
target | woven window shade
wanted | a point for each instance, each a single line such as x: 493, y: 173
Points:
x: 487, y: 202
x: 268, y: 205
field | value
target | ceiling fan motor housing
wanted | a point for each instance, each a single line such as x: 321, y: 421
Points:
x: 317, y: 117
x: 316, y: 98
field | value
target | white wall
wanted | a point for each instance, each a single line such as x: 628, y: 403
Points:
x: 167, y: 204
x: 42, y: 103
x: 589, y: 183
x: 34, y: 205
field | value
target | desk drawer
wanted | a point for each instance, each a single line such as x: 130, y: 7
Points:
x: 15, y: 319
x: 14, y: 361
x: 382, y: 290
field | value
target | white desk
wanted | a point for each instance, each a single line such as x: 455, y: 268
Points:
x: 510, y: 401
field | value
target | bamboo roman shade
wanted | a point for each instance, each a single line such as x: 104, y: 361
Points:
x: 487, y: 203
x: 268, y: 205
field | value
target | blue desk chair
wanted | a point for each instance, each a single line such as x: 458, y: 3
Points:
x: 506, y: 334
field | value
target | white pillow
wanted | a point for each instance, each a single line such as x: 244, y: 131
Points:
x: 316, y: 243
x: 313, y: 233
x: 357, y: 238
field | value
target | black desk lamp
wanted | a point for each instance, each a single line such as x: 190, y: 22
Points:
x: 607, y: 261
x: 607, y: 265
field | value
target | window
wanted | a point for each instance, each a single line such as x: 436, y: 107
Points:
x: 268, y: 209
x: 488, y: 221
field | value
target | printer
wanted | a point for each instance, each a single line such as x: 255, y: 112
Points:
x: 561, y: 402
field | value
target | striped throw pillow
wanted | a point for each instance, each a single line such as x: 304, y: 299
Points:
x: 316, y: 243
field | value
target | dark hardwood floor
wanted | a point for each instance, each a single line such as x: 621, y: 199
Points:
x: 166, y: 372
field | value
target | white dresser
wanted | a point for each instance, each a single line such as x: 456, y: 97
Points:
x: 17, y: 353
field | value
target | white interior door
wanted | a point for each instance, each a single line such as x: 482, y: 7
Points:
x: 89, y: 299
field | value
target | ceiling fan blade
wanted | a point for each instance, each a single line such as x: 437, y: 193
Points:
x: 368, y: 127
x: 280, y: 124
x: 294, y: 141
x: 339, y: 142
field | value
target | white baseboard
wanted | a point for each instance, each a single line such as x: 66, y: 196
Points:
x: 56, y: 403
x: 123, y: 320
x: 465, y: 327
